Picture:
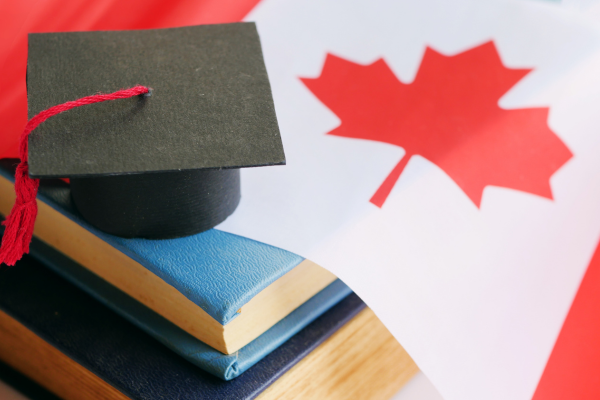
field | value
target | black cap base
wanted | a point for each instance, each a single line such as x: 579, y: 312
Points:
x: 162, y: 205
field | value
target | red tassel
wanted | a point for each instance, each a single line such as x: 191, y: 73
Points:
x: 19, y: 223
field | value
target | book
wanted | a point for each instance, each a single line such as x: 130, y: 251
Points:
x: 224, y: 366
x: 76, y: 347
x: 222, y: 289
x: 21, y: 384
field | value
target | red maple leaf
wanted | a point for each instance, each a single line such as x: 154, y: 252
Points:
x: 448, y: 115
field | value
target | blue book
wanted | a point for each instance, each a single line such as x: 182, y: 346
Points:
x: 217, y: 283
x: 77, y: 347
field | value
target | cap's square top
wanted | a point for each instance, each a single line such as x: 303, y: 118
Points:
x: 211, y: 103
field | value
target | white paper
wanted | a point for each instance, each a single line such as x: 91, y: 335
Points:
x: 477, y: 296
x: 418, y: 388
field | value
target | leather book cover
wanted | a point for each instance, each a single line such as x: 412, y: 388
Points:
x: 129, y: 359
x: 224, y: 366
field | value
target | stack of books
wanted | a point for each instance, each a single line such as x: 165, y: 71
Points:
x: 127, y: 291
x: 89, y: 315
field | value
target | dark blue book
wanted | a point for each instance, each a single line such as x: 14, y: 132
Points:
x: 122, y: 356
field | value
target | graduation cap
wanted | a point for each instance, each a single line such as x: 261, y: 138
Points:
x: 162, y: 165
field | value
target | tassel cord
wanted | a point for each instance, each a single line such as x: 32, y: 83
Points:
x: 20, y: 222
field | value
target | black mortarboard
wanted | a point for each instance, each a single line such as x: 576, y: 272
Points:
x: 160, y: 166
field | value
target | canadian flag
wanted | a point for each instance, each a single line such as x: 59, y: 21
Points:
x: 443, y: 160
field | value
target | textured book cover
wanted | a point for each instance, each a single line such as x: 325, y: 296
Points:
x: 126, y: 357
x: 224, y: 366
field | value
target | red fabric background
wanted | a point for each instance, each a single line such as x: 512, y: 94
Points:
x: 17, y: 18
